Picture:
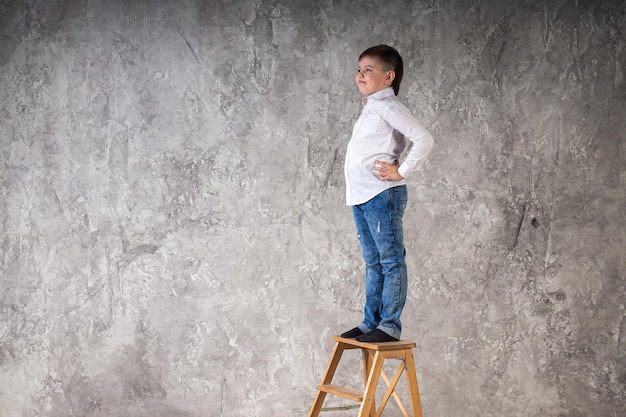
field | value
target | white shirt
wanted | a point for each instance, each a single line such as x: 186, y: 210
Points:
x: 380, y: 133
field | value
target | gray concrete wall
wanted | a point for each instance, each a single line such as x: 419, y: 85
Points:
x: 174, y: 235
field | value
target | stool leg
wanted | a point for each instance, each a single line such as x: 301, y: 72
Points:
x: 317, y: 404
x: 368, y: 406
x: 368, y: 358
x: 327, y: 379
x: 414, y: 392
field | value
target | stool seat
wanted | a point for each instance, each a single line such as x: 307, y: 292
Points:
x: 374, y: 354
x: 400, y: 344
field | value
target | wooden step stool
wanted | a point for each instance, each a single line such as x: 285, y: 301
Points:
x: 374, y: 354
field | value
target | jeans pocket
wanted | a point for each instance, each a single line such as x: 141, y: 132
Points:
x: 398, y: 199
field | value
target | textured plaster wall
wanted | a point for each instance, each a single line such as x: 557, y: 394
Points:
x: 174, y: 239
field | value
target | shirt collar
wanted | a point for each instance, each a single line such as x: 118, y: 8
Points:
x: 379, y: 95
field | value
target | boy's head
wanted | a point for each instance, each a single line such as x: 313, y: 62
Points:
x: 390, y: 63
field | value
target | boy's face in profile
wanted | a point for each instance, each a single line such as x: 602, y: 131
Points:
x: 371, y: 77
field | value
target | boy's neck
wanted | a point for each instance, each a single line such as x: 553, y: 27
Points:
x: 375, y: 93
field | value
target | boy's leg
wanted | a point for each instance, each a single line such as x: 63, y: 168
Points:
x: 373, y: 271
x: 383, y: 215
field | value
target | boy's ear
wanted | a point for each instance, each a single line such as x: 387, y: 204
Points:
x: 391, y: 75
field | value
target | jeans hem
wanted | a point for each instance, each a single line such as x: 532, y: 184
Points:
x: 391, y: 332
x: 363, y: 328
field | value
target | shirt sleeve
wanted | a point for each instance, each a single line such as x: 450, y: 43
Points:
x: 401, y: 119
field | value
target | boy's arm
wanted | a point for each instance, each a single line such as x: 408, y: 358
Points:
x: 401, y: 119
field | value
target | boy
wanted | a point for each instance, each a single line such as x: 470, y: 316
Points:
x: 376, y: 189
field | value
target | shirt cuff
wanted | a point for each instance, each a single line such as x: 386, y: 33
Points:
x: 405, y: 170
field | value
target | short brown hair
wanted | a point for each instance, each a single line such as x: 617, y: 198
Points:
x: 390, y: 59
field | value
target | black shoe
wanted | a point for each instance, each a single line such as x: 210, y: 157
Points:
x: 376, y: 335
x: 351, y: 334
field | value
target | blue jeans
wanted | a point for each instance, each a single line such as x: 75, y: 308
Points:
x: 379, y: 226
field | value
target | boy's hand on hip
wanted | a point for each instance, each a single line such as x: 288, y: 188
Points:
x: 387, y: 172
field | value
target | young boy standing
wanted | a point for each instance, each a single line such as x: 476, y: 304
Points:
x: 376, y: 189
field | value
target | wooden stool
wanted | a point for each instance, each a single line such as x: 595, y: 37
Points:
x: 374, y: 354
